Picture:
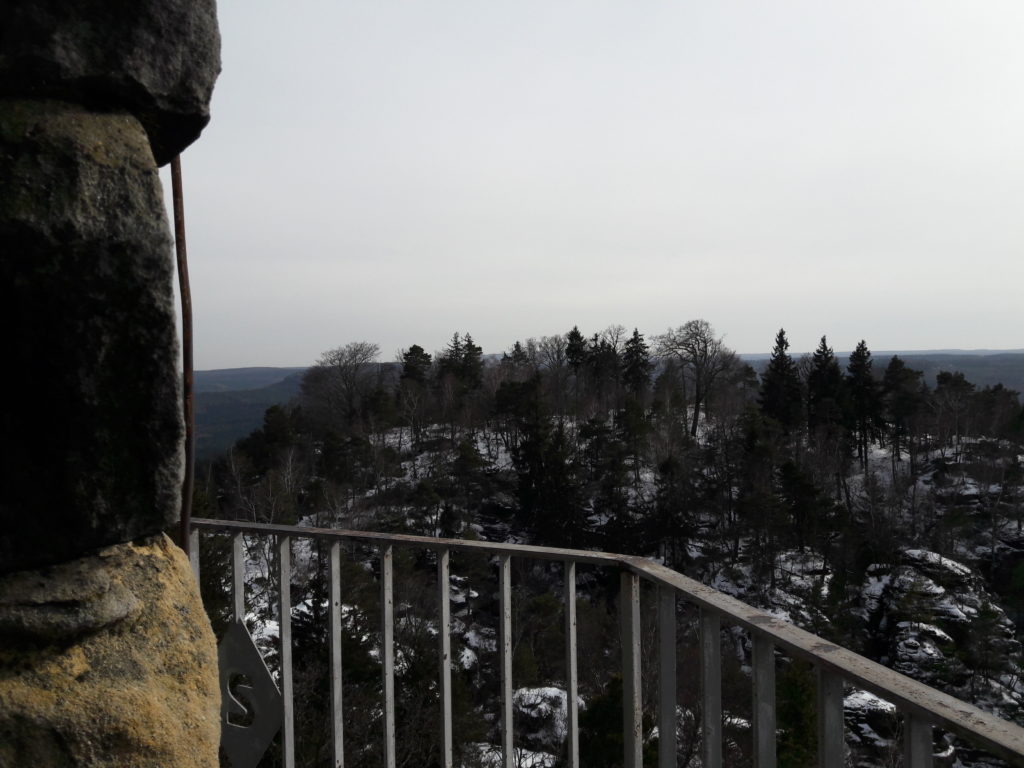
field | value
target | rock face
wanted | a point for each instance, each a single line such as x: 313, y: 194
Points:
x: 106, y: 655
x: 94, y: 423
x: 155, y: 59
x: 108, y: 661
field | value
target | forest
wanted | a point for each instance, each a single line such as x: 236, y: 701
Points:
x: 862, y: 502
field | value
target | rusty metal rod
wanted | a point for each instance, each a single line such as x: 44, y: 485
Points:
x: 186, y: 352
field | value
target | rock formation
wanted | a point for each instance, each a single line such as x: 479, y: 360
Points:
x: 108, y: 660
x: 106, y: 657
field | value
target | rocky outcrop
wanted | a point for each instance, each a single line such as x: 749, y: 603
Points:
x: 108, y: 661
x: 93, y: 420
x: 155, y: 59
x: 106, y: 656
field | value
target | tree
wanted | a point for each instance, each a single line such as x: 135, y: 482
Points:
x: 575, y: 349
x: 703, y: 359
x: 903, y: 399
x: 340, y: 379
x: 636, y: 364
x: 415, y: 365
x: 575, y: 356
x: 781, y: 390
x: 824, y: 389
x: 864, y: 404
x: 952, y: 398
x: 603, y: 367
x: 552, y: 359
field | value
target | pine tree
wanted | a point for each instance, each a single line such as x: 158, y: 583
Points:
x: 902, y: 400
x: 636, y: 364
x: 575, y: 356
x: 575, y: 349
x: 415, y: 365
x: 824, y: 390
x: 472, y: 367
x: 781, y: 390
x: 864, y: 401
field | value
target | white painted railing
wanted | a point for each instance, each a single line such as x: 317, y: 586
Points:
x: 922, y: 707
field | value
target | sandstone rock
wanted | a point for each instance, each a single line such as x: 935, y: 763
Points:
x: 141, y: 691
x: 64, y: 602
x: 156, y: 59
x: 91, y: 414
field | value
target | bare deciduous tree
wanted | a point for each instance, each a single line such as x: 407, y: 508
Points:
x: 341, y: 377
x: 701, y: 356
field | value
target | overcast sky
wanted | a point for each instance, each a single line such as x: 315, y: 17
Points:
x: 394, y: 172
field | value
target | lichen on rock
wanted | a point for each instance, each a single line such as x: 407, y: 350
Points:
x: 139, y: 690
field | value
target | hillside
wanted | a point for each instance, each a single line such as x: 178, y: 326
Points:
x: 875, y: 512
x: 230, y: 403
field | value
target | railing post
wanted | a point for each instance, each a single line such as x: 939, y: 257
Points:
x: 505, y: 647
x: 571, y: 681
x: 831, y: 741
x: 387, y: 651
x: 238, y: 577
x: 629, y: 615
x: 284, y: 564
x: 711, y: 687
x: 764, y: 702
x: 666, y: 677
x: 337, y: 724
x: 444, y: 632
x: 917, y: 742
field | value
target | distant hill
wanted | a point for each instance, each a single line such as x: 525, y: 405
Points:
x: 233, y: 379
x: 230, y: 403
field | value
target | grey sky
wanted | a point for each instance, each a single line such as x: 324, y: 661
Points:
x: 395, y: 172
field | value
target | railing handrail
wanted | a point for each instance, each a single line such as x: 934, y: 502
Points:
x: 983, y: 729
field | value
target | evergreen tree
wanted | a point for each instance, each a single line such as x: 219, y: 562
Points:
x: 902, y: 401
x: 415, y: 365
x: 449, y: 362
x: 575, y: 349
x: 781, y: 390
x: 824, y: 390
x: 472, y: 367
x: 603, y: 368
x: 864, y: 400
x: 636, y: 364
x: 575, y: 356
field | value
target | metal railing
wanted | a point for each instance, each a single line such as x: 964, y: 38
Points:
x: 922, y: 707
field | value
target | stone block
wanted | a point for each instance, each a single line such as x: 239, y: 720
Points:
x: 156, y: 59
x: 91, y: 396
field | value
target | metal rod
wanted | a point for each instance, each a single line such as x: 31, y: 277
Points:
x: 444, y: 611
x: 917, y: 742
x: 188, y: 401
x: 337, y: 724
x: 571, y: 671
x: 505, y: 646
x: 711, y: 687
x: 666, y: 677
x: 284, y: 565
x: 238, y: 576
x: 193, y: 553
x: 387, y: 651
x: 831, y: 740
x: 764, y: 702
x: 629, y: 616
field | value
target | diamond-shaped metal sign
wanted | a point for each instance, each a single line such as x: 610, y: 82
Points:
x: 250, y: 707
